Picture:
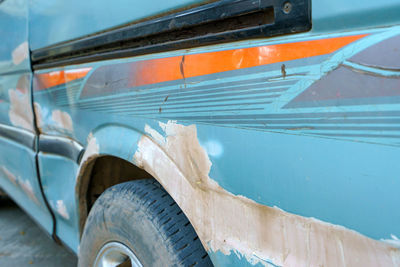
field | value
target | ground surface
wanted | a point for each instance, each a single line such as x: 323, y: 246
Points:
x: 23, y: 243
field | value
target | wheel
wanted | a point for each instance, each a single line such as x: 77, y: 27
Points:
x: 138, y: 224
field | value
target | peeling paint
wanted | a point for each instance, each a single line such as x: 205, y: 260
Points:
x: 92, y: 149
x: 20, y: 112
x: 62, y: 120
x: 394, y: 241
x: 39, y: 115
x: 10, y: 176
x: 20, y: 53
x: 25, y: 185
x: 230, y: 223
x: 62, y: 209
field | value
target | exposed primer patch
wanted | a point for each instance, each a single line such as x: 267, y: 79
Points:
x: 62, y: 120
x: 62, y: 209
x: 20, y: 112
x: 20, y: 53
x: 229, y: 223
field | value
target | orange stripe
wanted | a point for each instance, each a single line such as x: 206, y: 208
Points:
x: 47, y: 80
x: 179, y: 67
x: 174, y: 68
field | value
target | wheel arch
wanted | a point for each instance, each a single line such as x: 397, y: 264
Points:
x: 102, y: 158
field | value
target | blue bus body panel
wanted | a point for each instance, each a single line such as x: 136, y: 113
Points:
x: 277, y: 149
x: 18, y: 176
x: 290, y: 135
x: 49, y: 25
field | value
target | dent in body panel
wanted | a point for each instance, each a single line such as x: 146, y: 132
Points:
x: 231, y: 223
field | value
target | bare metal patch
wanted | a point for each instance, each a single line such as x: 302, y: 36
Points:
x: 62, y: 120
x: 28, y: 189
x: 62, y: 209
x: 230, y: 223
x: 20, y: 112
x: 92, y: 150
x: 25, y: 185
x: 20, y: 53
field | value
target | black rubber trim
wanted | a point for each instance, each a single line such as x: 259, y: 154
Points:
x: 60, y: 146
x: 18, y: 135
x: 217, y: 22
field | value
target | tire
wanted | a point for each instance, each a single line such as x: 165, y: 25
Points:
x: 3, y: 194
x: 142, y: 217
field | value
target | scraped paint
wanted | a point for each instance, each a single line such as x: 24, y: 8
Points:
x: 63, y: 120
x: 9, y: 175
x: 394, y: 241
x: 60, y: 119
x: 28, y: 189
x: 235, y: 224
x: 20, y: 53
x: 20, y: 112
x: 92, y: 150
x: 62, y: 209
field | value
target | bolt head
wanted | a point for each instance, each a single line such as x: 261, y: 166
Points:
x: 287, y: 7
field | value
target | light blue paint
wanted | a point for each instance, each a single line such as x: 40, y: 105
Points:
x: 345, y: 15
x: 381, y: 72
x: 49, y: 24
x: 13, y: 33
x: 19, y: 161
x: 220, y: 259
x: 15, y: 76
x: 331, y: 179
x: 345, y: 181
x: 124, y: 143
x: 58, y: 176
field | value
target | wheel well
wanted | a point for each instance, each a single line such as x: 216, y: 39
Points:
x: 100, y: 174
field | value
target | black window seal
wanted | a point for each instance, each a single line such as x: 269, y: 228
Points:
x: 217, y: 22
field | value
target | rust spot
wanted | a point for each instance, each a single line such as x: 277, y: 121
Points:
x: 166, y: 98
x: 159, y: 110
x: 283, y: 70
x: 181, y: 67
